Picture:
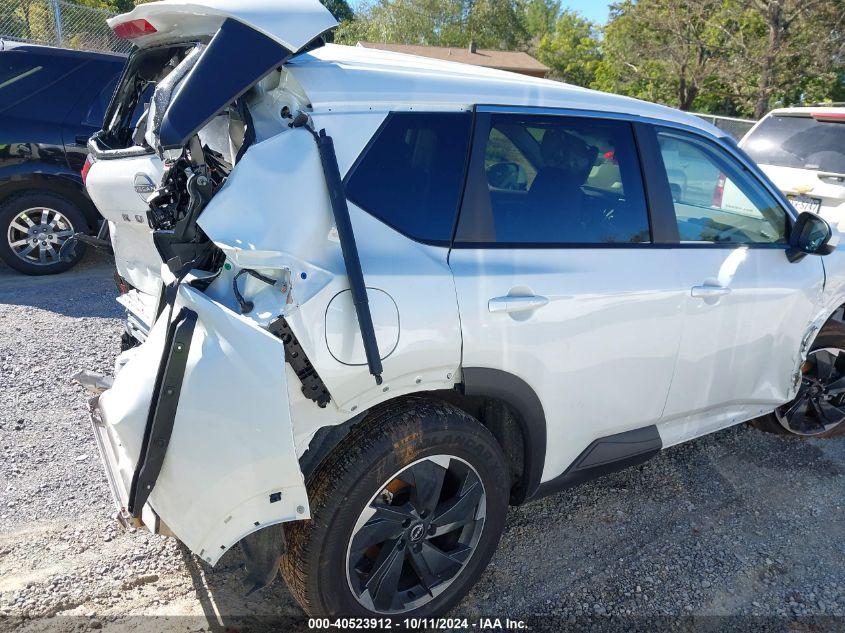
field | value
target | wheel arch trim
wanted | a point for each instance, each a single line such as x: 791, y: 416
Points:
x: 519, y: 395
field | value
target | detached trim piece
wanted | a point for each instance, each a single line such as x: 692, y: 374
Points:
x: 163, y: 407
x: 313, y: 387
x: 606, y: 455
x: 348, y: 247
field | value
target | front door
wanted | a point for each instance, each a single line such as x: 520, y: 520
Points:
x: 557, y: 280
x: 746, y: 307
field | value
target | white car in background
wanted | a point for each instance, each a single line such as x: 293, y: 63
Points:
x: 803, y: 151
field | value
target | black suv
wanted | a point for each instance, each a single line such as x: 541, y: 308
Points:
x: 51, y: 101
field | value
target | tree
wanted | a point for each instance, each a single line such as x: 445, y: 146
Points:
x: 572, y: 50
x: 488, y: 23
x: 727, y: 56
x: 782, y: 50
x: 540, y: 17
x: 661, y: 50
x: 340, y: 9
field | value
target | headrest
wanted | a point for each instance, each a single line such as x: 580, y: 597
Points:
x: 563, y: 149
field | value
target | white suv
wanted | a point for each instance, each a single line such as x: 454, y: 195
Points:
x: 803, y: 151
x: 373, y: 299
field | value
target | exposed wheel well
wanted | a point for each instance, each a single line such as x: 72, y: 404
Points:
x: 63, y: 186
x: 503, y: 403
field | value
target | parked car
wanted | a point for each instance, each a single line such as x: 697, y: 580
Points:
x: 373, y: 299
x: 803, y: 151
x: 51, y: 101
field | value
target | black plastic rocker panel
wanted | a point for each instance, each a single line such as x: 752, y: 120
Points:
x: 163, y: 407
x: 606, y: 455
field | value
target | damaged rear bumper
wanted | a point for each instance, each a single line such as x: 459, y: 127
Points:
x: 195, y: 431
x: 108, y: 456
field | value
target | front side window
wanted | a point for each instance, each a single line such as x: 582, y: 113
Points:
x: 715, y: 199
x: 410, y: 177
x: 555, y: 180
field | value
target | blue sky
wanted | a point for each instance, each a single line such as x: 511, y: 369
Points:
x: 595, y: 10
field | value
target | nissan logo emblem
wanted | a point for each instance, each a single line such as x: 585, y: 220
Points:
x: 144, y: 185
x: 417, y: 532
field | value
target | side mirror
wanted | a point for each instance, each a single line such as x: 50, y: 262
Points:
x: 810, y: 235
x: 508, y: 176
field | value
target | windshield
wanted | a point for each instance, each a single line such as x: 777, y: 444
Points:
x: 798, y: 141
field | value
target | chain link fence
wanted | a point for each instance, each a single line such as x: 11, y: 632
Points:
x: 59, y: 23
x: 732, y: 125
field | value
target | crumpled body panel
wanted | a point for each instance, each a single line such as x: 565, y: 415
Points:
x: 230, y: 467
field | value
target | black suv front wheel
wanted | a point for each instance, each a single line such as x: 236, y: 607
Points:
x: 406, y: 514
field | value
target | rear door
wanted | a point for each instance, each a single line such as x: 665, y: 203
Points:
x: 746, y: 306
x: 557, y: 278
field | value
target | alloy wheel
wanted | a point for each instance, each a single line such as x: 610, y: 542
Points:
x: 820, y: 403
x: 416, y: 534
x: 36, y: 235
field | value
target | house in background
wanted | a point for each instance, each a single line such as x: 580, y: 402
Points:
x: 513, y: 61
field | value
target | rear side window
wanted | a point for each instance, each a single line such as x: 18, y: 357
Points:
x: 24, y: 74
x: 410, y: 176
x: 15, y: 70
x: 554, y: 180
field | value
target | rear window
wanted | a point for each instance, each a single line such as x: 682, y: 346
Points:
x: 14, y: 70
x: 798, y: 141
x: 24, y: 74
x: 410, y: 177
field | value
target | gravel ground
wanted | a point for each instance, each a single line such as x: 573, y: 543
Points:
x: 739, y: 523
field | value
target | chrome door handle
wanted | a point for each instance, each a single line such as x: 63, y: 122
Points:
x: 510, y: 303
x: 709, y: 292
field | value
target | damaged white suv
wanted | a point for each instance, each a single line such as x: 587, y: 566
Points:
x: 373, y: 299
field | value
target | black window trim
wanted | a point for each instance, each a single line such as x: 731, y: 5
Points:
x: 480, y: 130
x: 659, y: 207
x: 374, y: 139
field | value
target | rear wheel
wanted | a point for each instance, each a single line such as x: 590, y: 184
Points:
x: 33, y: 226
x: 406, y: 514
x: 819, y: 408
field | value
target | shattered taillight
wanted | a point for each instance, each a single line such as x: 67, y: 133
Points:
x: 122, y: 286
x: 133, y: 28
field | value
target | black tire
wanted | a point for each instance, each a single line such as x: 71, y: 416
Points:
x: 393, y: 437
x: 832, y: 335
x: 13, y: 206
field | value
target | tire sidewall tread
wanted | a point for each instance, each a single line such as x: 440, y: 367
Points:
x: 831, y: 334
x: 391, y: 437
